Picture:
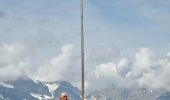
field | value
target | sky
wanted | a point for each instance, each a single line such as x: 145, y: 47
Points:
x: 127, y: 42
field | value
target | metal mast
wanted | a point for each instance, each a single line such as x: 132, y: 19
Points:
x: 82, y: 50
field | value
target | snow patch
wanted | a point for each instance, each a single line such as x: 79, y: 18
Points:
x: 35, y: 81
x: 52, y: 87
x: 147, y: 91
x: 40, y: 96
x: 1, y: 96
x: 6, y: 85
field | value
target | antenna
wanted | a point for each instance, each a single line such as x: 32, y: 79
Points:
x: 82, y: 50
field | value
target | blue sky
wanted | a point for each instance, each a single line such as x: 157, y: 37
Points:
x: 126, y: 25
x: 41, y: 32
x: 135, y: 23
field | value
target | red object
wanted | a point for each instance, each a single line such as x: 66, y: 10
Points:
x: 64, y: 98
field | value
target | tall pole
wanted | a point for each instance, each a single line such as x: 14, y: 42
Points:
x: 82, y: 50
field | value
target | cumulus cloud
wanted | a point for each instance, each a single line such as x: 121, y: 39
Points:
x: 12, y: 72
x: 106, y: 70
x: 123, y: 66
x: 145, y: 69
x: 62, y: 67
x: 104, y: 75
x: 13, y: 60
x: 143, y: 62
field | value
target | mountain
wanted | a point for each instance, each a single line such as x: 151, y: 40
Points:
x: 58, y: 87
x: 165, y: 96
x: 120, y: 93
x: 27, y: 89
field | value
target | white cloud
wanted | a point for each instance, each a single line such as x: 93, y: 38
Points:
x: 143, y: 62
x: 104, y: 74
x: 144, y: 70
x: 106, y: 70
x: 13, y: 61
x: 62, y: 67
x: 123, y: 66
x: 12, y: 72
x: 12, y: 53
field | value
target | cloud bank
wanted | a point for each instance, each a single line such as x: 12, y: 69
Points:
x: 144, y: 69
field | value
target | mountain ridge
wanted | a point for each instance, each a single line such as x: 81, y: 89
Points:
x: 25, y: 88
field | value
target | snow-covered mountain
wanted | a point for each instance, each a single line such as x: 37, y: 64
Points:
x: 165, y: 96
x: 27, y: 89
x: 119, y: 93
